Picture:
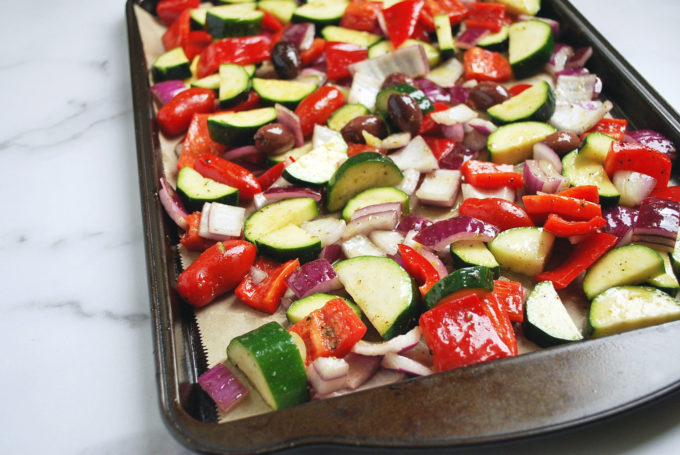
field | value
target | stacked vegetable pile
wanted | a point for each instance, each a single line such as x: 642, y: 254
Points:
x: 379, y: 171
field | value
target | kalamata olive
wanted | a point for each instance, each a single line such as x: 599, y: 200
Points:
x: 404, y: 112
x: 397, y: 79
x: 487, y: 94
x: 562, y: 142
x: 286, y: 60
x: 372, y: 124
x: 274, y: 139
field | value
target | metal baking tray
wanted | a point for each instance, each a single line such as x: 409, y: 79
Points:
x: 533, y: 394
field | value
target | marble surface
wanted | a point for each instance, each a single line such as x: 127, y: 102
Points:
x: 77, y: 361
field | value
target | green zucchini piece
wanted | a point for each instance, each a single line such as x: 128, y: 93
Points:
x: 514, y: 143
x: 624, y: 308
x: 666, y: 281
x: 238, y: 128
x: 288, y: 93
x: 468, y: 253
x: 389, y: 303
x: 523, y: 250
x: 582, y: 170
x: 373, y: 196
x: 280, y: 9
x: 213, y: 81
x: 348, y: 35
x: 289, y: 242
x: 528, y: 7
x: 359, y: 172
x: 277, y: 215
x: 386, y: 47
x: 530, y: 46
x: 628, y: 264
x: 234, y: 85
x: 318, y: 166
x: 299, y: 309
x: 173, y: 64
x: 197, y: 18
x: 596, y: 146
x: 546, y: 320
x: 343, y: 115
x: 195, y: 190
x: 497, y: 42
x: 442, y: 26
x: 418, y: 96
x: 535, y: 103
x: 228, y: 21
x: 320, y: 12
x: 469, y: 279
x: 270, y: 358
x: 295, y: 153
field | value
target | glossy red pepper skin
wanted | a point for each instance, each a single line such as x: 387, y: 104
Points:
x: 456, y: 11
x: 271, y: 175
x: 429, y: 125
x: 401, y: 19
x: 501, y: 213
x: 587, y: 192
x: 460, y: 333
x: 638, y: 158
x: 175, y: 35
x: 485, y: 65
x: 340, y: 55
x: 569, y: 208
x: 190, y: 239
x: 195, y: 42
x: 266, y: 295
x: 512, y: 296
x: 583, y: 255
x: 330, y: 331
x: 216, y: 271
x: 318, y: 107
x: 670, y: 192
x: 169, y: 10
x: 484, y: 174
x: 501, y: 322
x: 612, y: 127
x: 563, y: 228
x: 309, y: 56
x: 486, y: 15
x: 243, y: 50
x: 518, y: 88
x: 229, y: 173
x: 198, y: 142
x: 175, y: 117
x: 419, y: 267
x: 271, y: 23
x: 439, y: 146
x: 361, y: 15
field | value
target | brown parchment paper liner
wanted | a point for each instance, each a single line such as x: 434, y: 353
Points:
x: 225, y: 318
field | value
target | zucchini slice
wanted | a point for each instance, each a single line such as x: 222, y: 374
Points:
x: 523, y: 250
x: 528, y: 7
x: 320, y: 12
x: 288, y: 93
x: 373, y: 196
x: 442, y: 25
x: 546, y: 321
x: 280, y: 9
x: 299, y: 309
x: 628, y: 264
x: 359, y: 172
x: 288, y: 243
x: 195, y: 190
x: 343, y: 115
x: 497, y: 42
x: 514, y: 143
x: 596, y: 146
x: 227, y: 21
x: 666, y: 281
x: 468, y: 253
x: 318, y: 166
x: 535, y: 103
x: 277, y: 215
x: 624, y: 308
x: 530, y: 46
x: 386, y: 47
x: 582, y: 170
x: 295, y: 153
x: 388, y: 303
x: 461, y: 282
x: 173, y: 64
x: 197, y: 18
x: 348, y: 35
x: 270, y: 358
x: 234, y: 85
x: 418, y: 96
x: 231, y: 128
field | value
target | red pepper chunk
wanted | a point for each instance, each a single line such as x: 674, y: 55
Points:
x: 563, y: 228
x: 355, y: 149
x: 639, y: 158
x: 501, y: 213
x: 484, y: 174
x: 190, y: 239
x: 511, y: 295
x: 419, y: 267
x: 567, y: 207
x: 216, y: 271
x: 229, y: 173
x: 175, y: 117
x: 670, y: 193
x: 308, y: 56
x: 340, y: 55
x: 361, y: 15
x: 452, y: 8
x: 485, y: 65
x: 266, y: 294
x: 486, y: 15
x: 169, y: 10
x: 501, y: 321
x: 243, y: 50
x: 587, y: 192
x: 271, y: 175
x: 330, y: 331
x: 198, y: 142
x: 429, y: 125
x: 440, y: 146
x: 613, y: 127
x: 460, y: 333
x: 401, y: 19
x: 317, y: 107
x: 195, y: 42
x: 175, y: 35
x: 584, y: 254
x: 518, y: 88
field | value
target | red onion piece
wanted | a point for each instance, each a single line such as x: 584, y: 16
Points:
x: 633, y: 187
x: 559, y: 58
x: 278, y: 193
x: 332, y: 253
x: 287, y: 117
x: 312, y: 277
x: 580, y: 57
x: 470, y: 37
x: 313, y: 74
x: 240, y: 152
x: 542, y: 176
x: 455, y: 132
x: 620, y: 222
x: 657, y: 222
x: 459, y: 94
x: 402, y: 363
x: 362, y: 225
x: 330, y: 367
x: 324, y: 386
x: 413, y: 223
x: 411, y: 60
x: 475, y: 140
x: 420, y: 353
x: 543, y: 152
x: 655, y: 140
x: 166, y: 90
x: 223, y: 387
x: 172, y: 204
x: 383, y: 377
x: 397, y: 344
x: 300, y: 35
x: 445, y: 232
x: 377, y: 208
x: 455, y: 158
x: 483, y: 126
x: 433, y: 91
x: 435, y: 261
x: 361, y: 368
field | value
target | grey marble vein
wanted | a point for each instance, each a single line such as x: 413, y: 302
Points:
x: 132, y: 320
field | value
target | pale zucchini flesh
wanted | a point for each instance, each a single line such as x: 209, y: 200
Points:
x: 523, y: 250
x: 274, y: 216
x: 514, y: 143
x: 547, y: 321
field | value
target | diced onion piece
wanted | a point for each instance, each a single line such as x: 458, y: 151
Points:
x: 278, y: 193
x: 387, y: 241
x: 546, y: 153
x: 620, y: 222
x: 259, y: 200
x: 288, y: 118
x: 455, y: 132
x: 483, y: 126
x: 321, y: 385
x: 395, y: 141
x: 361, y: 368
x: 167, y: 90
x: 575, y: 88
x: 444, y: 232
x: 416, y: 155
x: 413, y: 223
x: 411, y: 60
x: 435, y: 261
x: 470, y: 37
x: 397, y: 344
x: 558, y: 60
x: 362, y: 225
x: 542, y: 176
x: 328, y: 230
x: 456, y: 114
x: 470, y: 191
x: 225, y: 220
x: 172, y: 204
x: 359, y: 245
x: 402, y: 363
x: 364, y: 89
x: 323, y: 135
x: 332, y: 253
x: 439, y: 188
x: 377, y: 208
x: 446, y: 74
x: 579, y: 117
x: 580, y: 57
x: 300, y: 35
x: 331, y: 367
x: 657, y: 223
x: 223, y: 387
x: 312, y: 277
x: 433, y: 91
x: 410, y: 181
x: 633, y: 186
x: 240, y: 152
x: 383, y: 377
x: 313, y: 75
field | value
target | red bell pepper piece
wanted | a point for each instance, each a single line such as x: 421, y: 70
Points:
x: 484, y: 174
x: 361, y: 15
x: 271, y: 23
x: 229, y: 173
x: 198, y: 142
x: 216, y: 271
x: 587, y: 192
x: 501, y: 213
x: 271, y: 175
x: 486, y: 15
x: 175, y: 117
x: 243, y: 50
x: 195, y: 42
x: 175, y: 35
x: 460, y: 333
x: 639, y: 158
x: 485, y: 65
x: 317, y: 107
x: 583, y: 255
x: 340, y: 55
x: 400, y: 20
x: 330, y: 331
x: 612, y: 127
x: 252, y: 102
x: 190, y: 239
x: 511, y: 295
x: 670, y: 192
x: 563, y: 228
x: 429, y: 125
x: 501, y: 321
x: 440, y: 146
x: 567, y: 207
x: 309, y: 56
x: 355, y: 149
x: 518, y: 88
x: 169, y: 10
x: 266, y: 294
x: 419, y: 267
x: 453, y: 8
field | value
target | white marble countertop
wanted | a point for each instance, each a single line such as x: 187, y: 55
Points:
x: 77, y: 366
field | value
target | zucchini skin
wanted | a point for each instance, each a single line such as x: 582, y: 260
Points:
x: 476, y: 277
